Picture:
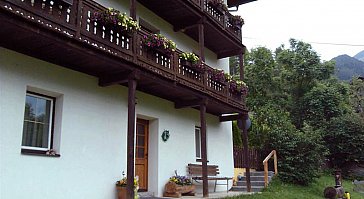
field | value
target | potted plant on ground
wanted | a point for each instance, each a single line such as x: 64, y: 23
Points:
x: 121, y: 187
x: 190, y: 60
x: 117, y: 21
x: 159, y: 43
x: 179, y: 185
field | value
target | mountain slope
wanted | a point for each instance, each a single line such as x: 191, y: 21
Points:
x: 360, y: 56
x: 347, y: 67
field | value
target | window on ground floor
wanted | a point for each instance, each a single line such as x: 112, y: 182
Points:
x: 198, y: 144
x: 38, y: 123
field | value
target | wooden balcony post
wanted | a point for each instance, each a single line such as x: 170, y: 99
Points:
x: 205, y: 185
x: 133, y: 9
x: 132, y: 84
x: 201, y: 40
x: 241, y: 65
x: 244, y: 132
x: 78, y: 18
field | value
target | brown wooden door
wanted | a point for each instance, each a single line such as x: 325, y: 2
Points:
x: 141, y: 153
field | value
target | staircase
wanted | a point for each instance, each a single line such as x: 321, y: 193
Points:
x: 256, y: 179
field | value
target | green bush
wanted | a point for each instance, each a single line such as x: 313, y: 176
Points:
x: 300, y: 153
x: 237, y: 135
x: 344, y: 137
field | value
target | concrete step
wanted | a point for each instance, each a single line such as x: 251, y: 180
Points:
x: 253, y: 183
x: 244, y: 188
x: 260, y: 173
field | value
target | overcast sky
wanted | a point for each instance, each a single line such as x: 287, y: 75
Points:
x: 270, y: 23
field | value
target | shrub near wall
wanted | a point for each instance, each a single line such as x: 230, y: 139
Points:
x: 300, y: 153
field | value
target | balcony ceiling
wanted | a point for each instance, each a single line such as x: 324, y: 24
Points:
x: 184, y: 16
x: 233, y: 3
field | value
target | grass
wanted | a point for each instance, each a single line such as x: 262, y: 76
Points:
x: 279, y: 190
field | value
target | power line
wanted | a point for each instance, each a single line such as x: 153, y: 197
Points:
x: 337, y: 44
x: 321, y: 43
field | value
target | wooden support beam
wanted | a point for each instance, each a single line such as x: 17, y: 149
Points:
x: 228, y: 53
x: 244, y: 132
x: 132, y: 84
x: 183, y: 28
x: 133, y: 9
x: 116, y: 78
x: 187, y: 103
x: 205, y: 183
x: 226, y: 118
x: 201, y: 40
x: 241, y: 65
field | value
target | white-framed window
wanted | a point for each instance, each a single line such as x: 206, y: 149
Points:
x: 198, y: 142
x: 38, y: 123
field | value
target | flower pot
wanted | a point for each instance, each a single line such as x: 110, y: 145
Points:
x: 122, y: 193
x: 186, y: 63
x: 174, y: 190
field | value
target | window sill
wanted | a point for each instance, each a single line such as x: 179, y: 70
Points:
x: 38, y: 153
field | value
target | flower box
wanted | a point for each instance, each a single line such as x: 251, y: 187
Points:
x: 115, y: 20
x: 174, y: 190
x: 218, y: 5
x: 198, y: 68
x: 160, y: 44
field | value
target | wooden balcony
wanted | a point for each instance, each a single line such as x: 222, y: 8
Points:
x: 64, y: 34
x: 221, y: 36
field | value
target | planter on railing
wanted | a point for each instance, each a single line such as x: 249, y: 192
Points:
x: 217, y: 75
x: 197, y: 67
x: 238, y: 88
x: 115, y: 20
x: 236, y: 21
x: 159, y: 44
x: 218, y: 5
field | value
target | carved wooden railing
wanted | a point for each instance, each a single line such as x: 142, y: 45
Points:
x: 222, y: 17
x: 75, y: 21
x: 265, y: 163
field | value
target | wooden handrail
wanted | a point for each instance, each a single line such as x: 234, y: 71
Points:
x: 265, y: 163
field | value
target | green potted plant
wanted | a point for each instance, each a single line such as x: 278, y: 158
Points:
x: 159, y: 43
x: 117, y: 21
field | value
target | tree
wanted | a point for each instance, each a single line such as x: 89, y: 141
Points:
x: 259, y: 76
x: 324, y: 102
x: 357, y: 95
x: 301, y: 69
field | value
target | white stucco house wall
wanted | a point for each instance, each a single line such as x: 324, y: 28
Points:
x: 89, y: 128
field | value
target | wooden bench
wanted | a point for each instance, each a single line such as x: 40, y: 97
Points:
x: 195, y: 171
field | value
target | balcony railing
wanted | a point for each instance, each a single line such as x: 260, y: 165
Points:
x: 75, y: 22
x: 222, y: 17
